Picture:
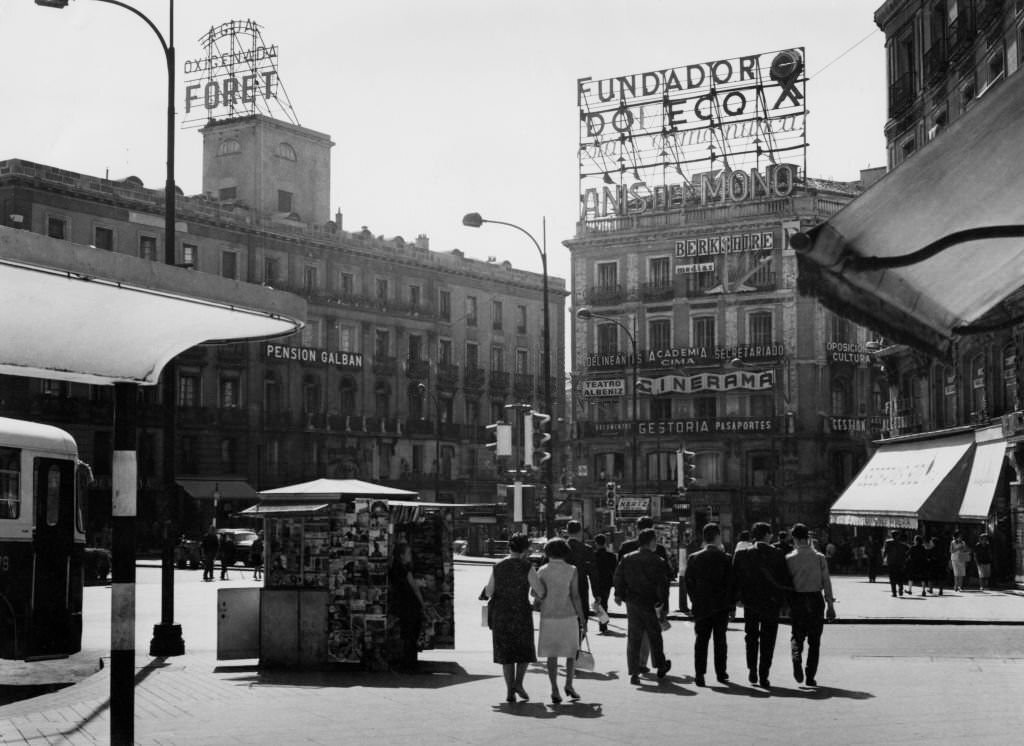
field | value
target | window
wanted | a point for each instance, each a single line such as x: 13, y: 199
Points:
x: 659, y: 334
x: 53, y: 493
x: 103, y: 238
x: 995, y: 66
x: 840, y: 397
x: 520, y: 319
x: 659, y: 272
x: 760, y: 469
x: 607, y: 275
x: 346, y: 283
x: 189, y: 255
x: 709, y: 468
x: 286, y: 151
x: 57, y: 228
x: 470, y: 310
x: 444, y: 352
x: 284, y: 201
x: 968, y: 89
x: 272, y: 458
x: 416, y: 401
x: 382, y: 343
x: 188, y: 390
x: 230, y: 391
x: 271, y: 393
x: 472, y: 355
x: 229, y: 147
x: 607, y: 339
x: 382, y: 399
x: 760, y: 328
x: 661, y: 466
x: 444, y: 302
x: 228, y: 448
x: 705, y: 407
x: 348, y: 338
x: 840, y: 329
x: 979, y: 404
x: 522, y: 361
x: 661, y: 408
x: 415, y: 347
x: 761, y: 405
x: 472, y: 411
x: 309, y: 283
x: 10, y: 483
x: 226, y: 194
x: 311, y: 334
x: 347, y: 391
x: 497, y: 358
x: 311, y: 395
x: 382, y: 289
x: 270, y: 267
x: 229, y: 264
x: 496, y: 314
x: 1009, y: 357
x: 704, y: 331
x: 147, y: 247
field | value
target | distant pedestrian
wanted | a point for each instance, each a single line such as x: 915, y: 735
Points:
x: 873, y: 556
x: 808, y: 611
x: 406, y: 602
x: 959, y: 556
x: 762, y: 584
x: 209, y: 545
x: 562, y: 616
x: 628, y: 547
x: 227, y: 555
x: 642, y: 582
x: 604, y: 574
x: 582, y: 558
x: 256, y: 557
x: 510, y: 615
x: 709, y: 583
x: 743, y: 541
x: 894, y: 557
x: 917, y: 565
x: 937, y: 563
x: 983, y: 559
x: 783, y: 543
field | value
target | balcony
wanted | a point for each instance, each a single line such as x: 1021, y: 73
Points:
x: 418, y: 370
x: 196, y: 416
x: 499, y: 381
x: 473, y: 379
x: 901, y: 94
x: 314, y: 420
x: 232, y: 417
x: 451, y: 431
x: 763, y: 280
x: 657, y: 290
x: 604, y: 295
x: 277, y: 419
x: 961, y: 37
x: 522, y: 385
x: 447, y: 375
x: 384, y: 365
x: 936, y: 62
x: 416, y: 426
x: 989, y: 12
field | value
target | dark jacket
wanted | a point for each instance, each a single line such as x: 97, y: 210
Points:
x: 582, y: 558
x: 604, y: 570
x: 761, y: 579
x: 642, y: 578
x: 631, y: 545
x: 709, y: 582
x: 894, y: 553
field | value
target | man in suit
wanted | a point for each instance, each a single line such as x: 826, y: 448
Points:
x: 709, y: 582
x: 762, y: 581
x: 894, y: 556
x: 582, y: 558
x: 629, y: 546
x: 641, y: 580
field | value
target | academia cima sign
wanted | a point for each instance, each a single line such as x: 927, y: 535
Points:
x: 680, y: 357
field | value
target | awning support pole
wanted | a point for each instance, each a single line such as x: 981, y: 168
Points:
x: 122, y: 604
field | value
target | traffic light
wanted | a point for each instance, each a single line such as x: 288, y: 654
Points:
x: 528, y: 439
x: 686, y: 470
x: 609, y: 494
x: 543, y: 432
x: 502, y: 444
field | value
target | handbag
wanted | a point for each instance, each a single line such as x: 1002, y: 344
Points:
x: 584, y: 658
x: 599, y: 612
x: 485, y: 614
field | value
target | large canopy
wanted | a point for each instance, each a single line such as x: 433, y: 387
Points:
x: 335, y: 489
x: 956, y: 207
x: 76, y: 313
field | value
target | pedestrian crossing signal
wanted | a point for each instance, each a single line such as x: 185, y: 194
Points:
x: 686, y: 470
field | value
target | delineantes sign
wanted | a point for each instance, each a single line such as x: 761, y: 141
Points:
x: 336, y: 358
x: 673, y: 357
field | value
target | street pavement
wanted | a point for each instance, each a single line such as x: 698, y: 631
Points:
x: 890, y: 674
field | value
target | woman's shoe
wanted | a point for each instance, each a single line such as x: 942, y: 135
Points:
x: 571, y: 693
x: 522, y: 693
x: 556, y: 698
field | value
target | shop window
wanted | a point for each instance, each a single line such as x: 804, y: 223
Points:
x: 103, y: 238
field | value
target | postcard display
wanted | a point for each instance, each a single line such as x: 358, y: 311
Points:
x: 347, y: 552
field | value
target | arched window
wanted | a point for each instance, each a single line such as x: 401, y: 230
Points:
x: 229, y: 147
x: 286, y: 151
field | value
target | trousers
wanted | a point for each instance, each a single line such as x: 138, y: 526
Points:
x: 807, y: 615
x: 704, y: 629
x: 642, y: 619
x: 760, y: 631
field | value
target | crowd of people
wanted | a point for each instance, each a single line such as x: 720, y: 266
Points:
x: 927, y: 561
x: 764, y: 577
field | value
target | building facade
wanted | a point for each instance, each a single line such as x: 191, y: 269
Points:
x: 942, y: 57
x: 777, y: 397
x: 406, y: 355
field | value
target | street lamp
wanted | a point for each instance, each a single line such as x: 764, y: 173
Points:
x: 475, y: 220
x: 586, y: 313
x: 437, y: 439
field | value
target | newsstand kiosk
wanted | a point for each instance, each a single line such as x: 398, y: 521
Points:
x: 328, y: 547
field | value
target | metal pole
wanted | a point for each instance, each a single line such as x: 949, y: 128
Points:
x: 636, y: 415
x: 549, y: 501
x: 437, y: 448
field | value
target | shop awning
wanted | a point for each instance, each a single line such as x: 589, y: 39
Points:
x: 908, y: 481
x: 226, y: 489
x: 282, y: 509
x: 981, y: 485
x: 954, y: 212
x: 335, y: 489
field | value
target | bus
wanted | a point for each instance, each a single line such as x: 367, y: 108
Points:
x: 42, y: 542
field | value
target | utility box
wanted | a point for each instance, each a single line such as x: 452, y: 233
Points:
x: 238, y: 623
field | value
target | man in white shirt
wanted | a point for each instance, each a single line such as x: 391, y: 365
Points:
x: 808, y: 611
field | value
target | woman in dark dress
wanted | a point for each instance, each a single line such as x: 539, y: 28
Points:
x: 407, y: 605
x: 917, y: 564
x: 511, y: 615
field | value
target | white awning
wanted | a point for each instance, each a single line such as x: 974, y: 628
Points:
x: 279, y: 509
x: 76, y: 313
x: 336, y: 489
x: 225, y: 489
x: 907, y: 482
x: 981, y: 485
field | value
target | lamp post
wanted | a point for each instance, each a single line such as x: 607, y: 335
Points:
x: 474, y: 220
x: 586, y: 313
x: 437, y: 439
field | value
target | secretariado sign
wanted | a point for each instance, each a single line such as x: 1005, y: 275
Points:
x: 337, y: 358
x: 602, y: 387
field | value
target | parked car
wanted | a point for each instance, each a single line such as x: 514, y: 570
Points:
x: 188, y: 553
x: 96, y: 565
x: 243, y: 539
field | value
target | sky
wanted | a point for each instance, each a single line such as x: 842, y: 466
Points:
x: 436, y: 108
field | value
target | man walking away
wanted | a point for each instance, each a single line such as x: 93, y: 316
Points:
x: 871, y: 553
x: 641, y: 580
x: 227, y: 556
x: 983, y: 559
x: 604, y: 574
x: 894, y: 557
x: 629, y: 546
x: 808, y: 611
x: 708, y: 580
x: 209, y: 546
x: 582, y: 558
x: 762, y: 581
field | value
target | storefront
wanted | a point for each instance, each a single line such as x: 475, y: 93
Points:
x: 326, y: 595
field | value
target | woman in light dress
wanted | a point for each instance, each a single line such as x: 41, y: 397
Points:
x: 561, y: 616
x: 959, y: 556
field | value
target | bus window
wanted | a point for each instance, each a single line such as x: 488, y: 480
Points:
x: 10, y: 482
x: 53, y: 495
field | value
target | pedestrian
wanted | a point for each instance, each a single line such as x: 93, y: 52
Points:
x: 628, y: 547
x: 983, y: 559
x: 959, y: 556
x: 642, y: 581
x: 582, y: 558
x: 256, y: 557
x: 783, y: 543
x: 762, y: 583
x: 709, y: 584
x: 227, y: 555
x: 209, y: 545
x: 604, y: 575
x: 937, y: 563
x: 873, y: 556
x: 406, y: 603
x: 744, y: 541
x: 894, y: 557
x: 562, y: 617
x: 917, y: 565
x: 510, y: 615
x: 808, y: 610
